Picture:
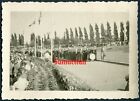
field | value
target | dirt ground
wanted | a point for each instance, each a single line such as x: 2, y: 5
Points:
x: 100, y: 75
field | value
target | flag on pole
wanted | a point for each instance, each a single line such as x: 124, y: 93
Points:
x: 33, y: 23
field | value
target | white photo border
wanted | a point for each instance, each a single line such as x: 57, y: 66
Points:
x: 130, y: 7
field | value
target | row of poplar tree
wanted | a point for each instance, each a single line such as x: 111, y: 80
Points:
x: 76, y: 36
x: 18, y: 40
x: 95, y: 37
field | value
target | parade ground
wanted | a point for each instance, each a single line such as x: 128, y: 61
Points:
x: 100, y: 75
x: 91, y: 75
x: 118, y: 54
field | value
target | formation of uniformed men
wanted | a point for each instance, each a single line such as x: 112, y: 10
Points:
x: 74, y: 54
x: 68, y: 53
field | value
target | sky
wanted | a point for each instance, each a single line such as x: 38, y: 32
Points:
x: 58, y: 21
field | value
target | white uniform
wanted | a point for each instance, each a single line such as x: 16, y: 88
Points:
x: 47, y: 56
x: 21, y: 84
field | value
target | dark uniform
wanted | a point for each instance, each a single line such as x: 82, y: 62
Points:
x: 84, y: 57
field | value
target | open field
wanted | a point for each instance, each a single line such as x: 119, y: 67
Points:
x: 100, y: 75
x: 118, y: 54
x: 94, y: 75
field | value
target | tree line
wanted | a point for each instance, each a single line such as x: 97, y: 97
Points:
x: 17, y: 40
x: 79, y: 36
x: 45, y: 40
x: 94, y: 37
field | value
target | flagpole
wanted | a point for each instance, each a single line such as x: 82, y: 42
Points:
x: 39, y: 21
x: 52, y: 49
x: 41, y: 46
x: 24, y: 42
x: 35, y: 45
x: 34, y: 31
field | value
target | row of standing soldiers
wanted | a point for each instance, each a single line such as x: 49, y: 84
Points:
x: 74, y: 55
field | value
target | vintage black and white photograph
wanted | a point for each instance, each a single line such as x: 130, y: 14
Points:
x: 70, y: 50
